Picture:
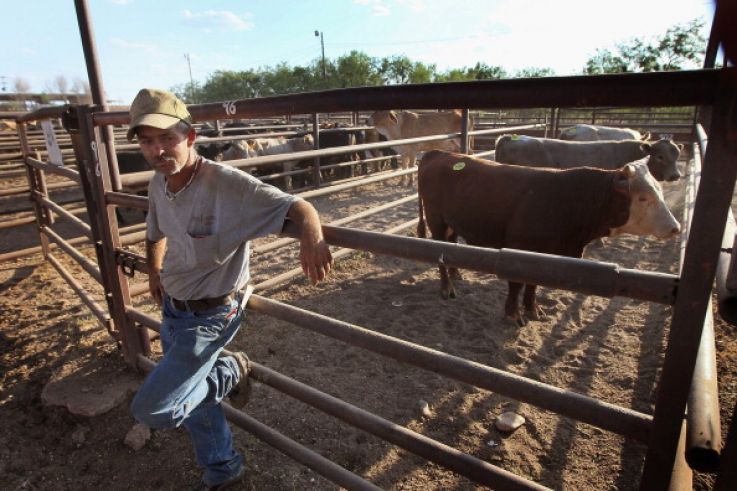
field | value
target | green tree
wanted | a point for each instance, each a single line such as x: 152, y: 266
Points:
x: 396, y: 70
x: 531, y: 72
x: 357, y: 69
x: 482, y: 71
x: 679, y: 47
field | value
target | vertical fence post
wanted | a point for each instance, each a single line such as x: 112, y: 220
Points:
x: 35, y: 187
x: 316, y: 135
x: 465, y: 122
x: 95, y: 182
x: 694, y: 291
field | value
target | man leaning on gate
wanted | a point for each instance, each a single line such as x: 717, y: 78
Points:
x: 201, y: 217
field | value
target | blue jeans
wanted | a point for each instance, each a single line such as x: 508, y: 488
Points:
x: 190, y: 381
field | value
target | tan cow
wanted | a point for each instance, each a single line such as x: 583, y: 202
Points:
x: 592, y: 132
x: 406, y: 124
x: 542, y: 210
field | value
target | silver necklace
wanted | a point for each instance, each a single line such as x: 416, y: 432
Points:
x: 171, y: 196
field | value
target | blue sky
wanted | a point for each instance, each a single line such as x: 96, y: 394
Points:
x: 142, y: 43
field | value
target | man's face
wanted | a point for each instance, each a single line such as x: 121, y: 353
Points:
x: 166, y: 151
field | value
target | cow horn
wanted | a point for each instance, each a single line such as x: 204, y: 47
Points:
x: 629, y: 171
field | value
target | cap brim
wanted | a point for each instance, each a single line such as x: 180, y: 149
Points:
x: 161, y: 121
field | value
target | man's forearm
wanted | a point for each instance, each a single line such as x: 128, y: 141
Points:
x: 155, y: 255
x: 305, y: 216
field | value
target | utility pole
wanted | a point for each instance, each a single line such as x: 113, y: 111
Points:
x: 322, y: 44
x: 191, y: 80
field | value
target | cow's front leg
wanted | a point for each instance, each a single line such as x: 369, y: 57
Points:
x: 407, y: 178
x: 446, y: 283
x: 511, y: 308
x: 532, y: 311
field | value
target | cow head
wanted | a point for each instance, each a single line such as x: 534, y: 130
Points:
x: 303, y: 144
x: 663, y: 157
x: 648, y: 213
x: 383, y: 119
x: 240, y: 149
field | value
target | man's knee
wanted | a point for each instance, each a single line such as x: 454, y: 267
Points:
x: 151, y: 414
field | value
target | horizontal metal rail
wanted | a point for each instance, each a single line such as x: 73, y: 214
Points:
x: 141, y: 202
x: 685, y: 88
x: 277, y: 280
x: 81, y: 259
x: 78, y: 224
x: 54, y: 169
x: 598, y: 413
x: 276, y: 244
x: 323, y: 466
x: 580, y: 275
x: 44, y: 113
x: 432, y: 450
x: 98, y: 311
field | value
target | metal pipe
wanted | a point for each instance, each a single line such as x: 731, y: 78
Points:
x: 276, y: 244
x: 685, y: 88
x: 94, y: 75
x: 579, y: 407
x: 581, y: 275
x: 326, y: 468
x: 703, y: 430
x: 295, y: 272
x: 694, y: 292
x: 432, y: 450
x: 81, y: 259
x: 78, y: 224
x: 70, y: 174
x: 99, y: 312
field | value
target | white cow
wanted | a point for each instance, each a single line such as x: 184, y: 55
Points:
x: 662, y: 155
x: 591, y: 132
x: 271, y: 146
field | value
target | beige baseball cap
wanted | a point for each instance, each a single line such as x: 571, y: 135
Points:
x: 156, y: 108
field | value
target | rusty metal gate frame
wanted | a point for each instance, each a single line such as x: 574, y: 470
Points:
x: 688, y: 292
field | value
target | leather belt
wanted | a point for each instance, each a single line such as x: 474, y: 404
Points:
x: 202, y: 303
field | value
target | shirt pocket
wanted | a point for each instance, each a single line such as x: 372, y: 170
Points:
x: 205, y: 250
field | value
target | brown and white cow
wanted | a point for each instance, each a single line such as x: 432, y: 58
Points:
x: 397, y: 125
x: 662, y: 155
x: 595, y: 132
x: 543, y: 210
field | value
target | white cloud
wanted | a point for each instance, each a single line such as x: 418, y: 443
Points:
x: 218, y: 20
x: 122, y: 43
x: 414, y: 5
x: 121, y: 2
x: 28, y: 51
x: 378, y: 7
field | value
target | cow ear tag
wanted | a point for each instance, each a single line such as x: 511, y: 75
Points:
x: 459, y: 165
x: 515, y: 137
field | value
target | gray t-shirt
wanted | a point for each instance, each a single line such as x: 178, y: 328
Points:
x: 208, y: 226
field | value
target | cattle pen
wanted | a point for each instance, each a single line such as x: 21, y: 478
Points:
x: 676, y: 440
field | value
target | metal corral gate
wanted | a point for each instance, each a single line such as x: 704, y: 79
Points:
x: 688, y: 292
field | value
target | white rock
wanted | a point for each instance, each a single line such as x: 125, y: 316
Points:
x: 509, y: 421
x: 80, y: 434
x: 425, y: 409
x: 137, y: 436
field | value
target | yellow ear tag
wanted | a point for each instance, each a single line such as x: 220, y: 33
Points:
x: 515, y: 137
x: 459, y: 165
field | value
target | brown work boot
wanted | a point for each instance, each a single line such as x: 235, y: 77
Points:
x: 240, y: 394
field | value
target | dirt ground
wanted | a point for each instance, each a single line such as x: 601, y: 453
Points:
x: 611, y: 349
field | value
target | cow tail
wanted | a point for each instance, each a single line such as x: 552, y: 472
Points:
x: 421, y: 232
